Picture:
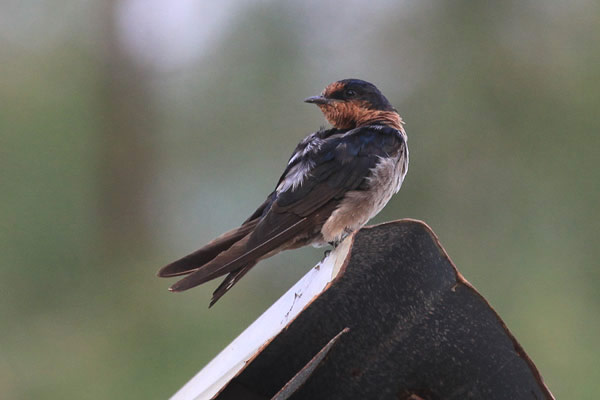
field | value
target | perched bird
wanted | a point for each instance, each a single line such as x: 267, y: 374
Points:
x: 335, y: 181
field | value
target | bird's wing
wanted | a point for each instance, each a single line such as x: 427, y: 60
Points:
x: 333, y: 168
x: 336, y: 167
x: 304, y: 147
x: 212, y: 249
x: 193, y: 261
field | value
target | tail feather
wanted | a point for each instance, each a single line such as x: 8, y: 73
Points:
x: 197, y: 259
x: 238, y: 256
x: 231, y: 279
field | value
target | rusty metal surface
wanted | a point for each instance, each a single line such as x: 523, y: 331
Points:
x: 301, y: 377
x: 418, y: 330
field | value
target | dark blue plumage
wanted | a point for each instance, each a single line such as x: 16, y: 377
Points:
x: 334, y: 182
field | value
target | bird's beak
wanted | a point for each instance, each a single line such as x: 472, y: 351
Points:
x: 317, y: 100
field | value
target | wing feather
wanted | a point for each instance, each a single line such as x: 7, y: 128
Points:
x: 339, y: 163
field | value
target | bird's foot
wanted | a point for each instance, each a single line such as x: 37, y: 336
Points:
x: 339, y: 240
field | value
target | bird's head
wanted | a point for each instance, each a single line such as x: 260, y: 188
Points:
x: 350, y: 103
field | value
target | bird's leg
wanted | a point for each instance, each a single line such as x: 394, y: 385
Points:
x: 335, y: 243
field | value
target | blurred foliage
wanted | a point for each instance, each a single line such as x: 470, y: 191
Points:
x: 501, y: 103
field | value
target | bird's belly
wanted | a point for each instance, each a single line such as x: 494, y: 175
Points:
x: 359, y: 206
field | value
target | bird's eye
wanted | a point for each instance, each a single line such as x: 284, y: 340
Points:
x: 350, y: 93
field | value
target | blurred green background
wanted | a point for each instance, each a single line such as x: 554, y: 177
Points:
x: 133, y: 131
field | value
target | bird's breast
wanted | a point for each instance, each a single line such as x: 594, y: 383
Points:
x: 359, y: 206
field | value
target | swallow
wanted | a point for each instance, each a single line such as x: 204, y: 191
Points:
x: 335, y: 181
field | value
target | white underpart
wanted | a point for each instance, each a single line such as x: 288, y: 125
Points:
x: 359, y: 206
x: 386, y: 180
x: 387, y: 176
